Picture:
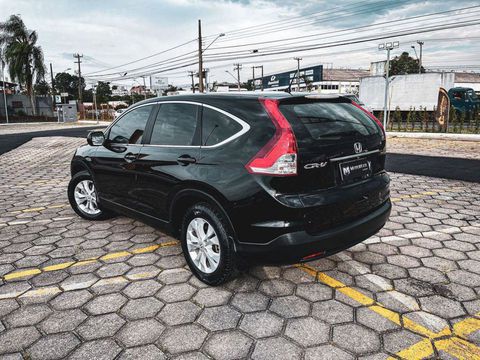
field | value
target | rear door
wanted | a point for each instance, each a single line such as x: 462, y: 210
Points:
x: 168, y: 157
x: 338, y: 143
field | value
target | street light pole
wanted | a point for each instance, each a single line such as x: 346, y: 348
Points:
x: 253, y: 78
x: 237, y: 67
x: 298, y: 72
x: 387, y: 46
x: 420, y: 43
x: 261, y: 75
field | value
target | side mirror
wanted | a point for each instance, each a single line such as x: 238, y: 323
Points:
x: 95, y: 138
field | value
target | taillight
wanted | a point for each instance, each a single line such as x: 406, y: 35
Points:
x: 279, y: 156
x: 373, y: 117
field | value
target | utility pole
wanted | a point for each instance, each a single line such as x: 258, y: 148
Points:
x: 388, y: 47
x: 200, y: 57
x: 53, y: 87
x: 298, y: 71
x: 144, y: 88
x: 261, y: 75
x: 4, y: 90
x: 191, y: 74
x: 253, y: 77
x: 420, y: 43
x: 80, y: 98
x: 95, y: 100
x: 237, y: 67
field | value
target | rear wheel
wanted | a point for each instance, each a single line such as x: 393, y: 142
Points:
x: 82, y: 196
x: 207, y: 244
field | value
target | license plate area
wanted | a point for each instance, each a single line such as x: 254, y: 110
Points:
x: 355, y: 170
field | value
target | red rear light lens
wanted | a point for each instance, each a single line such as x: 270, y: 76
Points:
x: 279, y: 156
x: 373, y: 117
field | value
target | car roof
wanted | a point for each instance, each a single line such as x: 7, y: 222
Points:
x: 253, y: 95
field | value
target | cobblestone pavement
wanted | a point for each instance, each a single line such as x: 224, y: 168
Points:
x: 119, y: 289
x: 434, y: 147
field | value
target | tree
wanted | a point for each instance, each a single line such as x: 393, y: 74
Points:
x: 104, y: 92
x: 404, y: 64
x: 22, y: 54
x: 68, y: 83
x: 41, y: 88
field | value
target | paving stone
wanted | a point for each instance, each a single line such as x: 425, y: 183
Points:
x: 397, y: 341
x: 250, y: 301
x: 277, y: 287
x: 179, y: 313
x: 148, y: 352
x: 441, y: 306
x: 261, y: 324
x: 105, y: 304
x: 428, y: 275
x: 176, y: 292
x: 28, y: 315
x: 356, y: 339
x: 141, y: 308
x: 142, y: 288
x: 174, y: 276
x: 212, y: 297
x: 327, y: 352
x: 314, y: 292
x: 373, y: 320
x: 290, y: 306
x: 105, y: 349
x: 101, y: 326
x: 7, y: 306
x: 17, y: 339
x: 332, y: 312
x: 71, y: 299
x: 56, y: 346
x: 228, y: 345
x: 61, y: 321
x: 140, y: 332
x: 275, y: 348
x: 219, y: 318
x: 182, y: 339
x: 307, y: 331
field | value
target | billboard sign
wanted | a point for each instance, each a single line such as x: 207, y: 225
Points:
x: 310, y: 74
x: 158, y: 83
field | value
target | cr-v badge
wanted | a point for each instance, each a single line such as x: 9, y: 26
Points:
x: 357, y: 147
x: 315, y: 165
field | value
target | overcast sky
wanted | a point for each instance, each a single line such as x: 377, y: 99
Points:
x: 110, y: 33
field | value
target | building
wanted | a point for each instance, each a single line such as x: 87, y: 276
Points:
x: 468, y: 80
x: 120, y: 91
x: 341, y: 81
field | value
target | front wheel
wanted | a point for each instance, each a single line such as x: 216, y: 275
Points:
x: 208, y: 245
x: 83, y: 199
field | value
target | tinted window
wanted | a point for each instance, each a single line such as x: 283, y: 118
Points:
x: 326, y: 120
x: 175, y: 125
x: 217, y: 127
x: 129, y: 128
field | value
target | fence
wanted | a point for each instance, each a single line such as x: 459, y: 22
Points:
x: 44, y: 114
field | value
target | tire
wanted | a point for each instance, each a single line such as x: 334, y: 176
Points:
x: 96, y: 213
x: 213, y: 218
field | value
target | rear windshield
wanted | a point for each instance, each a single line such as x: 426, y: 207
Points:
x: 327, y: 120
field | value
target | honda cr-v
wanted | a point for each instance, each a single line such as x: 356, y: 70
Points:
x: 240, y: 179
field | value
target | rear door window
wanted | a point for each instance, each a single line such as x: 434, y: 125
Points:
x: 217, y: 127
x: 330, y: 120
x: 175, y: 124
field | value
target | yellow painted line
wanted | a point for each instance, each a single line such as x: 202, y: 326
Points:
x: 455, y: 344
x: 65, y: 265
x: 39, y: 208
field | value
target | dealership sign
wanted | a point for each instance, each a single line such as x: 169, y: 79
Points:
x: 310, y: 74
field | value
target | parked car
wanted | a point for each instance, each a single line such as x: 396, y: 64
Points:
x: 240, y: 179
x: 464, y: 100
x: 118, y: 112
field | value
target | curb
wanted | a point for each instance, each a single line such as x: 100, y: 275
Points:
x: 435, y: 136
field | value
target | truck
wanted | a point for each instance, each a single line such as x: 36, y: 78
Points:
x: 417, y: 91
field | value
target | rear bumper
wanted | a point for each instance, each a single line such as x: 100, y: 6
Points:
x: 295, y: 246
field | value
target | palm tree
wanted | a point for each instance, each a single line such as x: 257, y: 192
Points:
x: 23, y: 56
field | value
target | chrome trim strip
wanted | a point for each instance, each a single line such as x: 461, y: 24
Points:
x: 355, y: 155
x: 244, y: 125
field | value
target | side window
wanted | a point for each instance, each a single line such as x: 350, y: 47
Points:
x: 129, y: 129
x: 217, y: 127
x: 175, y: 125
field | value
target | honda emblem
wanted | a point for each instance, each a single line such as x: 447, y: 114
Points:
x: 357, y: 147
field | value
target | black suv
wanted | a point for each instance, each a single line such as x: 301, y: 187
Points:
x: 242, y: 178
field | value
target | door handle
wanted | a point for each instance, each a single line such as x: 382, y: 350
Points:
x: 186, y: 159
x: 130, y: 157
